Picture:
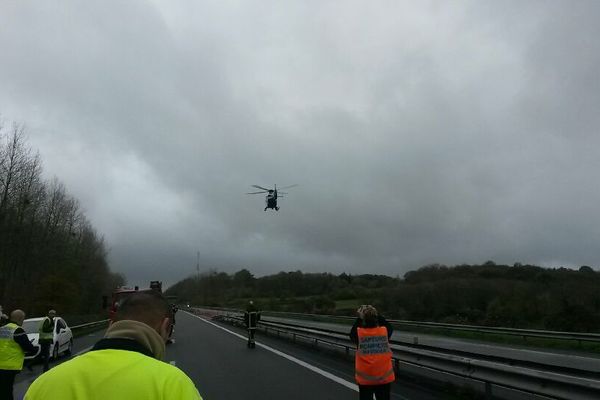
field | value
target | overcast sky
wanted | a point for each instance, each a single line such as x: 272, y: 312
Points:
x: 418, y: 132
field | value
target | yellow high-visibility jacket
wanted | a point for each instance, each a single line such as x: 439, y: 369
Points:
x: 114, y: 373
x: 11, y: 354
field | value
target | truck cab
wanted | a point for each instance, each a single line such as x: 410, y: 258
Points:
x: 121, y: 293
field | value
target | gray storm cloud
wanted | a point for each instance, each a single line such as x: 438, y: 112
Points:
x: 417, y: 132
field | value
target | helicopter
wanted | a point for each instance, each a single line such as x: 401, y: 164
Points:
x: 272, y: 194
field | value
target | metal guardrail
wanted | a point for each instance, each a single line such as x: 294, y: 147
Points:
x: 73, y: 328
x: 524, y: 333
x: 89, y: 325
x: 490, y: 377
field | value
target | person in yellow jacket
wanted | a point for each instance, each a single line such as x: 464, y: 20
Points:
x: 14, y: 345
x: 374, y: 371
x: 126, y: 364
x: 46, y: 338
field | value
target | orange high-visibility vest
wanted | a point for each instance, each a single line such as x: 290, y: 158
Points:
x: 373, y: 360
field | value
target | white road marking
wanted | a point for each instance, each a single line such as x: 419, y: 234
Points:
x: 328, y: 375
x: 84, y: 351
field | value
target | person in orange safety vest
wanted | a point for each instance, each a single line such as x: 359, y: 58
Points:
x: 374, y: 371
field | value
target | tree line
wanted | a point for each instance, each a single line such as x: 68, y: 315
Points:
x: 518, y: 296
x: 50, y: 255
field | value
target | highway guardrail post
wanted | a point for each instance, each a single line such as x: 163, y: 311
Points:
x: 488, y: 391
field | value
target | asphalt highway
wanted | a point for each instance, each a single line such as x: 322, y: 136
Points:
x: 216, y: 358
x: 223, y: 367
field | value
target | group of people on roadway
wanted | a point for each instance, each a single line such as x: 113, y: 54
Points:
x: 374, y: 371
x: 125, y: 364
x: 128, y: 362
x: 15, y: 346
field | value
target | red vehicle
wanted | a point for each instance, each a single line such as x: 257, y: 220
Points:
x: 119, y: 294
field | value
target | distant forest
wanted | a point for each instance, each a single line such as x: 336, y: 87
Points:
x: 50, y: 255
x: 519, y: 296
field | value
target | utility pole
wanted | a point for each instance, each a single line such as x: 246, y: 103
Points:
x: 198, y: 266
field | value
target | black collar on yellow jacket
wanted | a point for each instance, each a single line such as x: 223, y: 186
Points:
x: 122, y: 344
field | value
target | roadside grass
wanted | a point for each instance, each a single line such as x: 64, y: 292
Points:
x: 347, y: 305
x: 524, y: 341
x: 534, y: 342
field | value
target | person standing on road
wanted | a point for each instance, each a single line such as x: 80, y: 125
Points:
x: 14, y: 345
x: 251, y: 318
x: 126, y: 364
x: 46, y: 339
x: 174, y: 310
x: 374, y: 371
x: 3, y: 317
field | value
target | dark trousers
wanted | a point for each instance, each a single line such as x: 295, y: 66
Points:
x: 7, y: 380
x: 45, y: 353
x: 251, y: 334
x: 381, y: 392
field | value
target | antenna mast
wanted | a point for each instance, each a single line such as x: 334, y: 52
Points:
x: 198, y: 265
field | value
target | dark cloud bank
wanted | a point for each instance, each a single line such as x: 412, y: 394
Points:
x: 417, y: 132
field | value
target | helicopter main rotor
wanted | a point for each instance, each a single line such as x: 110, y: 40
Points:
x: 265, y: 190
x: 260, y: 187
